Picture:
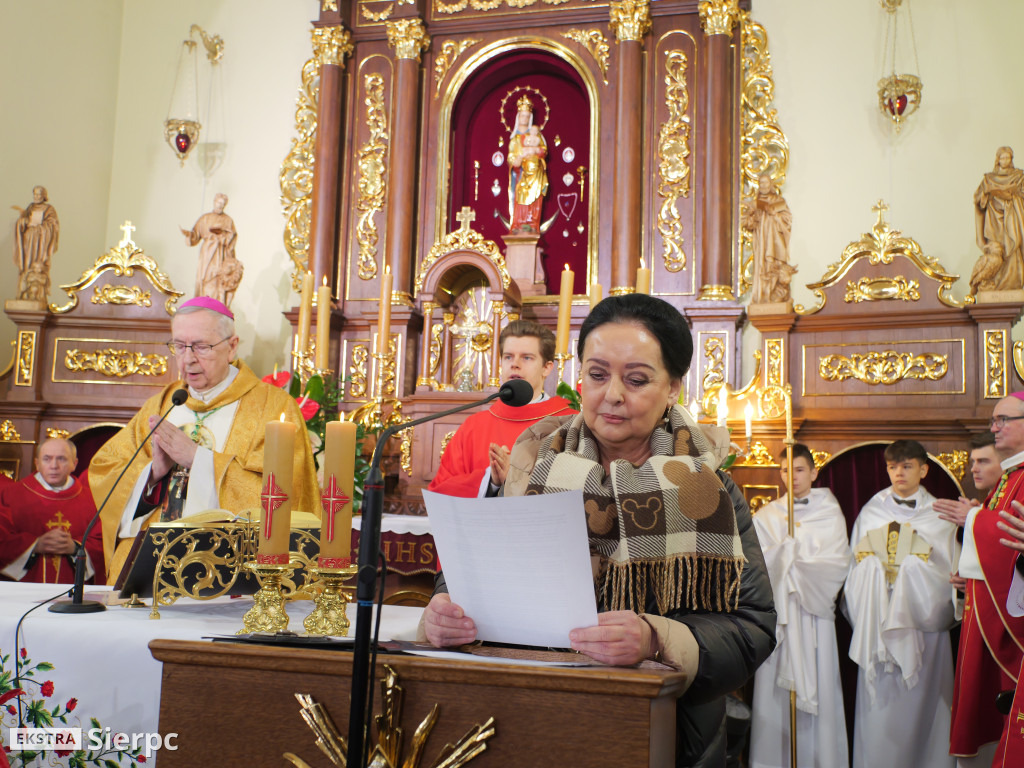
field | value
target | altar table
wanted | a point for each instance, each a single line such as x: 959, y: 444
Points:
x: 103, y: 662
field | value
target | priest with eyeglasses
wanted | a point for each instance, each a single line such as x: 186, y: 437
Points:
x: 208, y: 453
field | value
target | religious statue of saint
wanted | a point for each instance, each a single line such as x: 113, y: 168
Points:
x: 35, y: 242
x: 999, y: 220
x: 218, y: 272
x: 527, y: 171
x: 770, y: 222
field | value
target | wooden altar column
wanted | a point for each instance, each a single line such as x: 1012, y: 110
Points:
x: 630, y: 21
x: 408, y: 38
x: 331, y: 45
x: 717, y: 20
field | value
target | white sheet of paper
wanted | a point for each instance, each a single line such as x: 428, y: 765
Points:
x: 518, y: 566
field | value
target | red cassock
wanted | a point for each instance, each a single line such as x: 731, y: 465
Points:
x: 28, y: 510
x: 466, y: 458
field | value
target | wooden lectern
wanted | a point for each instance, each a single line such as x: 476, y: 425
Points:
x: 235, y: 705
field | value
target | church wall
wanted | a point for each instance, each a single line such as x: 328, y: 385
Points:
x: 59, y: 94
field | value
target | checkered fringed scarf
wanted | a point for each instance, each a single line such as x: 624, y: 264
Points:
x: 667, y: 526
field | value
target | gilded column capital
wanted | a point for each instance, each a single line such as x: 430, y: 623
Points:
x: 630, y: 19
x: 331, y: 45
x: 718, y: 17
x: 408, y: 37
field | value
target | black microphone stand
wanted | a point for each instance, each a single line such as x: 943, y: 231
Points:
x: 369, y: 542
x: 77, y: 604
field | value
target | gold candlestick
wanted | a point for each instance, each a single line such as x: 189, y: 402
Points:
x: 560, y: 358
x: 329, y: 616
x: 267, y: 613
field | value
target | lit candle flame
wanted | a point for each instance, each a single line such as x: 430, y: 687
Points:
x: 566, y: 267
x: 282, y: 418
x: 642, y: 265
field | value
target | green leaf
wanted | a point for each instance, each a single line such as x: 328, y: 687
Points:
x: 315, y: 389
x: 110, y: 763
x: 568, y: 393
x: 729, y: 461
x: 44, y: 666
x: 55, y: 710
x: 294, y: 386
x: 95, y: 723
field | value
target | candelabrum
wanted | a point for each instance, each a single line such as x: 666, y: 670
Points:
x: 268, y: 611
x: 304, y: 363
x: 329, y: 617
x: 560, y: 358
x: 372, y: 413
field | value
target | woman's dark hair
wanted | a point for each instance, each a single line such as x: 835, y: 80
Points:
x: 660, y: 318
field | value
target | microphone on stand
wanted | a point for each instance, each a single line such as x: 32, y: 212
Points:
x: 77, y: 604
x: 514, y: 392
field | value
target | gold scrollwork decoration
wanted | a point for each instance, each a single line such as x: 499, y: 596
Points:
x: 383, y: 15
x: 372, y: 175
x: 8, y: 432
x: 718, y: 17
x: 358, y: 377
x: 758, y: 456
x: 408, y: 37
x: 450, y: 51
x: 596, y: 43
x: 436, y: 331
x: 774, y: 349
x: 116, y: 362
x: 296, y: 176
x: 332, y: 44
x: 485, y: 5
x: 122, y: 260
x: 444, y: 442
x: 630, y: 19
x: 405, y: 452
x: 1018, y: 358
x: 388, y: 370
x: 673, y: 167
x: 880, y: 246
x: 896, y: 288
x: 995, y: 363
x: 329, y: 5
x: 122, y: 294
x: 63, y: 434
x: 820, y: 458
x: 26, y: 357
x: 886, y: 367
x: 714, y: 375
x: 757, y: 501
x: 465, y: 238
x: 764, y: 147
x: 955, y: 462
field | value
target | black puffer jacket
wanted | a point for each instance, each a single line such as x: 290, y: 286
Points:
x: 732, y: 647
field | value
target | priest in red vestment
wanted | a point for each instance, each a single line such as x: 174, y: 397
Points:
x: 476, y: 458
x: 43, y: 517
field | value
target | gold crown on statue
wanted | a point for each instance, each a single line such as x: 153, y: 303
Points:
x: 524, y: 103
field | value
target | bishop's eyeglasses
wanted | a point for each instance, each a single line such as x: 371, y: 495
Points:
x: 1000, y: 421
x: 199, y: 349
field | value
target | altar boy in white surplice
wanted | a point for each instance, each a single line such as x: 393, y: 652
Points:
x: 807, y: 572
x: 900, y: 605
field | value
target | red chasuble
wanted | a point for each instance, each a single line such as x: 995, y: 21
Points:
x: 991, y: 641
x: 465, y: 459
x: 28, y: 510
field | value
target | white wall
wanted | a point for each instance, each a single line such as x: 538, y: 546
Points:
x: 93, y: 82
x: 58, y: 93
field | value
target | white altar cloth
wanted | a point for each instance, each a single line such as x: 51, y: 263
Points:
x: 103, y: 659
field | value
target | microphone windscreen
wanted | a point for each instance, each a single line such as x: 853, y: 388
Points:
x: 179, y: 397
x: 516, y: 392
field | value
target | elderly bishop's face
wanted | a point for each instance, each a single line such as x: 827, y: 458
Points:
x: 201, y: 372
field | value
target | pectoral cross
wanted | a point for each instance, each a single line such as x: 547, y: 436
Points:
x: 465, y: 217
x: 54, y: 560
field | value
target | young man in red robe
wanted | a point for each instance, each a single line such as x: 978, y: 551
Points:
x: 43, y: 517
x: 476, y: 459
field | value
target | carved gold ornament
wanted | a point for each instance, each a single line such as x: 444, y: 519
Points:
x: 8, y: 432
x: 383, y: 15
x: 596, y: 43
x: 387, y: 370
x: 896, y: 288
x: 329, y: 5
x: 441, y: 7
x: 116, y: 362
x: 464, y: 239
x: 408, y: 37
x: 880, y: 246
x: 372, y: 175
x: 389, y: 751
x: 1018, y: 358
x: 764, y: 147
x: 716, y: 293
x: 995, y: 364
x: 331, y: 45
x: 25, y: 354
x: 718, y: 17
x: 405, y: 452
x: 358, y: 377
x: 673, y: 168
x: 450, y: 51
x: 630, y: 19
x: 888, y: 367
x: 774, y: 350
x: 758, y: 456
x: 122, y: 294
x: 122, y: 261
x: 714, y: 375
x: 444, y: 442
x: 821, y: 458
x: 54, y: 432
x: 756, y: 502
x: 296, y: 177
x: 955, y: 462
